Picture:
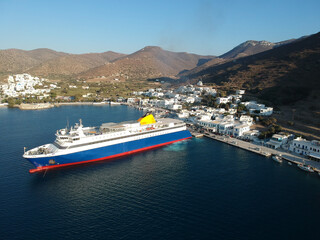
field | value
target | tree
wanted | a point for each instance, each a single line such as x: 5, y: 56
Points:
x: 209, y: 101
x: 77, y: 97
x: 277, y: 128
x: 53, y: 95
x: 227, y: 107
x: 241, y: 108
x: 11, y: 102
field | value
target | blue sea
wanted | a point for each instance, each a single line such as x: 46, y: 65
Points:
x: 196, y: 189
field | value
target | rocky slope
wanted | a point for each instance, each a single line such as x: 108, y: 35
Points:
x: 149, y: 62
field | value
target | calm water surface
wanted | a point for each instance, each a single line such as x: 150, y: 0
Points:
x: 196, y: 189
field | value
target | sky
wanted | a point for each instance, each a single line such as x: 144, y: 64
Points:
x: 206, y: 27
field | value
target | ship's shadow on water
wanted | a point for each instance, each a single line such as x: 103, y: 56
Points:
x: 87, y: 169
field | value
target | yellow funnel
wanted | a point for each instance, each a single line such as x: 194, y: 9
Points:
x: 149, y: 119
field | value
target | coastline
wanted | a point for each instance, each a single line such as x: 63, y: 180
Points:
x: 38, y: 106
x: 72, y: 103
x: 248, y: 146
x: 35, y: 106
x: 258, y: 149
x: 265, y: 151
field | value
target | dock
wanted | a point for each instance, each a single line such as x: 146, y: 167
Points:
x: 265, y: 151
x: 196, y: 134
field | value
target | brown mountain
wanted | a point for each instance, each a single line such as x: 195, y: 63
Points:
x: 149, y: 62
x: 287, y: 77
x: 286, y: 73
x: 73, y: 63
x: 245, y: 49
x: 16, y: 60
x: 252, y: 47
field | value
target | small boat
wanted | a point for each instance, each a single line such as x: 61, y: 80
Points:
x: 305, y: 167
x: 98, y: 103
x: 290, y: 163
x: 277, y: 158
x: 114, y: 103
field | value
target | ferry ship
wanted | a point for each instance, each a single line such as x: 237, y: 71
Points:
x: 79, y: 144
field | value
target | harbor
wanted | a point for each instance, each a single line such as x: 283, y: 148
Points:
x: 262, y: 150
x: 168, y: 183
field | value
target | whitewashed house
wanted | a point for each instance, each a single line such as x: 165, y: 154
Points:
x: 221, y: 100
x: 240, y: 92
x: 240, y: 129
x: 226, y: 128
x: 246, y: 119
x: 277, y: 140
x: 200, y: 83
x: 305, y: 147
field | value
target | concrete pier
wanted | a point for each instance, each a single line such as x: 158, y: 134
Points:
x: 265, y: 151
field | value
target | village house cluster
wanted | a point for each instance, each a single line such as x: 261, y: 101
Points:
x: 26, y: 85
x: 217, y: 120
x: 229, y: 115
x: 221, y: 120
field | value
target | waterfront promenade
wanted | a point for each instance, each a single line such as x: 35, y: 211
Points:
x: 262, y: 150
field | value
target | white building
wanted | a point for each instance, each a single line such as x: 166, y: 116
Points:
x: 246, y: 119
x: 258, y: 109
x: 267, y: 111
x: 184, y: 114
x: 251, y: 135
x: 226, y: 128
x: 305, y: 147
x: 222, y: 100
x: 131, y: 100
x: 277, y: 141
x: 239, y: 130
x: 188, y: 100
x: 200, y: 83
x: 22, y: 85
x: 208, y: 123
x: 144, y: 102
x: 174, y: 106
x: 240, y: 92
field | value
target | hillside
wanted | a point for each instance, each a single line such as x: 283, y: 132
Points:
x: 248, y: 48
x: 252, y: 47
x: 287, y: 77
x: 73, y: 63
x: 294, y: 66
x: 16, y: 60
x: 245, y: 49
x: 149, y: 62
